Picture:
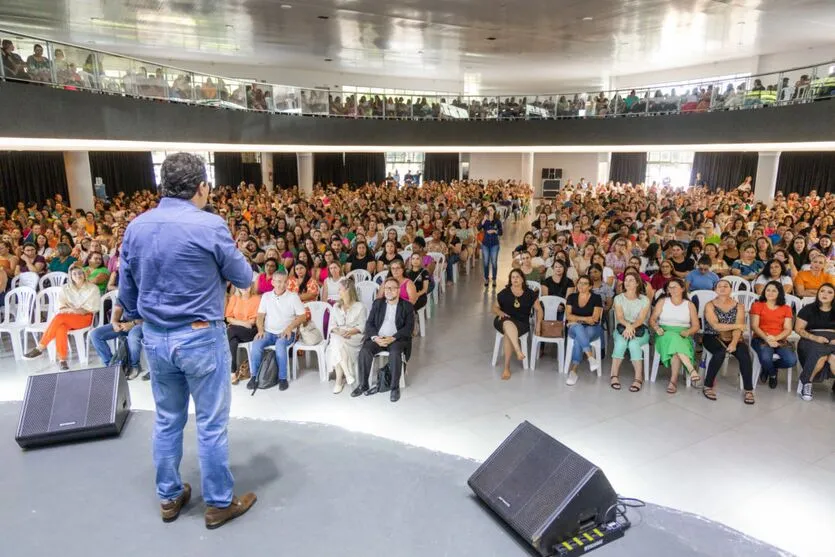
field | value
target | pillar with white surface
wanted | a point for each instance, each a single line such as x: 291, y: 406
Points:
x: 765, y: 186
x: 603, y: 161
x: 304, y: 162
x: 267, y: 170
x: 527, y: 169
x: 79, y: 180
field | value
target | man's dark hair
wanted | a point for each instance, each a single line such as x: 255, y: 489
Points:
x: 181, y: 174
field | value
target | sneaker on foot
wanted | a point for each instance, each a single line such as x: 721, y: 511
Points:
x: 572, y: 378
x: 34, y: 353
x: 594, y: 365
x: 146, y: 376
x: 133, y: 372
x: 63, y: 365
x: 283, y: 385
x: 806, y: 392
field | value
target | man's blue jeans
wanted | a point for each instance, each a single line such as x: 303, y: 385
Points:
x: 786, y: 357
x: 183, y: 362
x: 100, y: 336
x: 490, y: 258
x: 582, y: 335
x: 451, y: 262
x: 256, y: 352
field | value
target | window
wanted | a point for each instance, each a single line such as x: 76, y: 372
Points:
x: 669, y: 168
x: 400, y: 163
x: 208, y: 157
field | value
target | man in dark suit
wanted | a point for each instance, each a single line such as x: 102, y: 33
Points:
x: 389, y: 327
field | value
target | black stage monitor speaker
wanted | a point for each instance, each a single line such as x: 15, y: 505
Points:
x: 73, y: 405
x: 545, y: 491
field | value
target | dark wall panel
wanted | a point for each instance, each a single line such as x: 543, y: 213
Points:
x: 68, y: 114
x: 31, y: 176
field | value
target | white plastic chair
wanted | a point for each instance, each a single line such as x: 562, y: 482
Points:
x: 375, y: 363
x: 56, y: 278
x: 46, y: 306
x: 16, y: 320
x: 440, y: 272
x: 367, y: 292
x: 28, y: 279
x: 317, y: 316
x: 700, y: 298
x: 359, y: 275
x: 497, y: 346
x: 550, y: 305
x: 380, y: 277
x: 81, y: 337
x: 534, y: 285
x: 596, y: 346
x: 738, y: 284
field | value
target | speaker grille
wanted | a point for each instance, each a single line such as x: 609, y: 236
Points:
x: 100, y: 404
x: 38, y: 411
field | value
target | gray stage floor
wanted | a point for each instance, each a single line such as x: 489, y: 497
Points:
x: 322, y: 491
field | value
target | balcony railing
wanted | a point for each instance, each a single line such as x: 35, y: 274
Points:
x: 74, y: 67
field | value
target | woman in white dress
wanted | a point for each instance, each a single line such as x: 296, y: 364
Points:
x: 347, y: 323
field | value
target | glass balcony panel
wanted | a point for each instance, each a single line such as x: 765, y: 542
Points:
x: 823, y: 84
x: 314, y: 101
x: 76, y: 68
x: 259, y: 97
x: 235, y: 92
x: 287, y: 99
x: 29, y: 61
x: 181, y: 85
x: 119, y: 75
x: 207, y: 89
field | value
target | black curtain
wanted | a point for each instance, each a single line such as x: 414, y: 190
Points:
x: 365, y: 167
x: 230, y: 170
x: 724, y: 171
x: 628, y: 167
x: 127, y: 172
x: 285, y: 170
x: 329, y: 168
x: 441, y: 167
x: 31, y: 176
x: 803, y: 172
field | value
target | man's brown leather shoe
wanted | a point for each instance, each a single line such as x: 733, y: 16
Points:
x: 171, y: 510
x: 217, y: 517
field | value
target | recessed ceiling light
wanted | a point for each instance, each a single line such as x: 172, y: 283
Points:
x: 323, y: 17
x: 588, y: 18
x: 286, y: 6
x: 328, y: 59
x: 490, y: 38
x: 95, y: 19
x: 230, y: 26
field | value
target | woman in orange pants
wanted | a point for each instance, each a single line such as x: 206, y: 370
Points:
x: 78, y: 301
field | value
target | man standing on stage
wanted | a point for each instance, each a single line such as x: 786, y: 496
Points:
x: 175, y: 261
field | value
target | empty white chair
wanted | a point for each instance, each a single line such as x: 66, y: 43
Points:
x: 367, y: 292
x: 738, y: 283
x: 317, y: 317
x: 359, y: 275
x: 16, y: 320
x: 56, y: 278
x: 28, y: 279
x: 550, y: 306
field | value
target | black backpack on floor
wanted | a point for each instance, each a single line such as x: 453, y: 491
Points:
x: 267, y: 375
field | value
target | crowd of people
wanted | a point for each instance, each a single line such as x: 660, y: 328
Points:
x: 691, y: 270
x: 404, y: 242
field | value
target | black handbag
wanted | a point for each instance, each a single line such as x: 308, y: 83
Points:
x: 267, y: 376
x: 384, y: 379
x: 120, y: 356
x: 640, y: 330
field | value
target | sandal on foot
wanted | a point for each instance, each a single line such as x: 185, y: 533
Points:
x: 749, y: 397
x: 506, y: 375
x: 614, y: 382
x: 695, y: 378
x: 672, y: 388
x: 709, y: 393
x: 636, y: 385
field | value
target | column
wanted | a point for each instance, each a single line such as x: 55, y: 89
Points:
x: 527, y: 169
x: 267, y: 170
x: 305, y: 167
x: 603, y: 161
x: 79, y: 180
x: 765, y: 185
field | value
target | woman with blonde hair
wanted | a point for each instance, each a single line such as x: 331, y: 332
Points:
x: 78, y: 301
x: 347, y: 323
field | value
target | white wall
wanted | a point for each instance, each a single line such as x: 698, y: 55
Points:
x: 495, y: 166
x: 574, y: 166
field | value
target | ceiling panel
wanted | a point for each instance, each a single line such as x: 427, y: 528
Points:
x: 543, y: 41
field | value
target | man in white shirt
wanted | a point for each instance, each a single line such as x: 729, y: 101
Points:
x: 279, y: 315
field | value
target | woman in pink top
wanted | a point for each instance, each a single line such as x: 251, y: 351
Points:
x: 408, y: 291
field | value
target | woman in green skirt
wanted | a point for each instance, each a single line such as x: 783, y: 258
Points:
x: 675, y: 321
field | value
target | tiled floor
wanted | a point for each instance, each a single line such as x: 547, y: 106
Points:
x: 767, y: 470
